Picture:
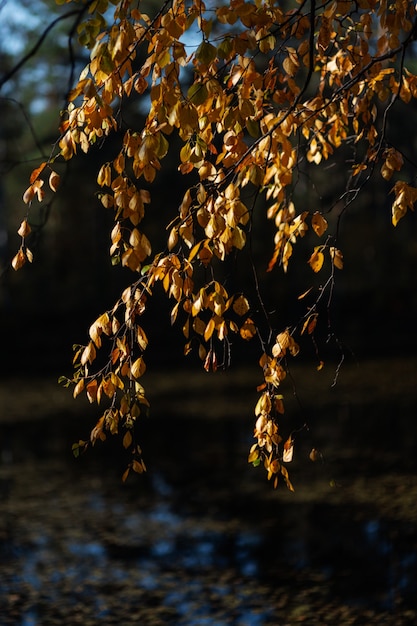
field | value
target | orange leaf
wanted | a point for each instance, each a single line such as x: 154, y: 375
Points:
x: 288, y: 450
x: 19, y: 260
x: 24, y: 229
x: 37, y: 172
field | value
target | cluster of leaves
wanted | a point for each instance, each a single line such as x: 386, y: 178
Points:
x: 270, y: 90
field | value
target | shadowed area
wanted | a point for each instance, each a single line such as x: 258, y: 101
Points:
x: 202, y: 538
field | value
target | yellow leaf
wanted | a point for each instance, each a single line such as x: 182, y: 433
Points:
x: 138, y: 467
x: 248, y: 329
x: 138, y: 368
x: 78, y: 388
x: 89, y: 354
x: 92, y: 391
x: 141, y: 337
x: 310, y: 324
x: 264, y: 405
x: 337, y: 258
x: 241, y: 305
x: 209, y: 329
x: 28, y: 195
x: 319, y: 224
x: 279, y: 404
x: 199, y: 326
x: 303, y: 295
x: 288, y: 450
x: 316, y: 260
x: 284, y: 472
x: 127, y: 439
x: 314, y: 455
x: 173, y: 238
x: 194, y: 251
x: 54, y: 180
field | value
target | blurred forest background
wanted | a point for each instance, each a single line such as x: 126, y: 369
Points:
x: 49, y: 305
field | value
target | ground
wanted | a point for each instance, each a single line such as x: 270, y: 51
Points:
x: 203, y: 538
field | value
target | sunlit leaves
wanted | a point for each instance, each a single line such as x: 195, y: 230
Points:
x: 266, y: 95
x: 319, y: 224
x: 317, y: 259
x: 310, y: 324
x: 138, y: 368
x: 35, y: 190
x: 19, y: 259
x: 393, y: 163
x: 24, y: 229
x: 241, y: 305
x: 337, y: 257
x: 405, y: 198
x: 54, y: 181
x: 284, y: 343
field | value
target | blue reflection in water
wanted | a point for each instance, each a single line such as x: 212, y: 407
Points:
x: 90, y: 549
x: 30, y: 618
x: 181, y: 558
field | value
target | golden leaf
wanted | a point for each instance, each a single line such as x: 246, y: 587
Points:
x: 337, y: 258
x: 288, y: 450
x: 209, y: 329
x: 89, y: 354
x: 138, y: 467
x: 316, y: 260
x: 279, y: 404
x: 310, y: 324
x: 104, y: 175
x: 241, y: 305
x: 303, y: 295
x: 127, y: 439
x: 284, y: 472
x: 37, y: 172
x: 248, y: 329
x: 138, y: 368
x: 319, y: 224
x: 141, y: 337
x: 264, y: 405
x: 314, y: 455
x: 54, y: 180
x: 78, y: 388
x: 29, y: 195
x: 24, y: 229
x: 92, y: 388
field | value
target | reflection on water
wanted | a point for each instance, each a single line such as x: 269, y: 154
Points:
x: 192, y: 549
x: 200, y: 573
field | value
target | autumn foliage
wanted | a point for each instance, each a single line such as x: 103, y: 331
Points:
x: 250, y: 98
